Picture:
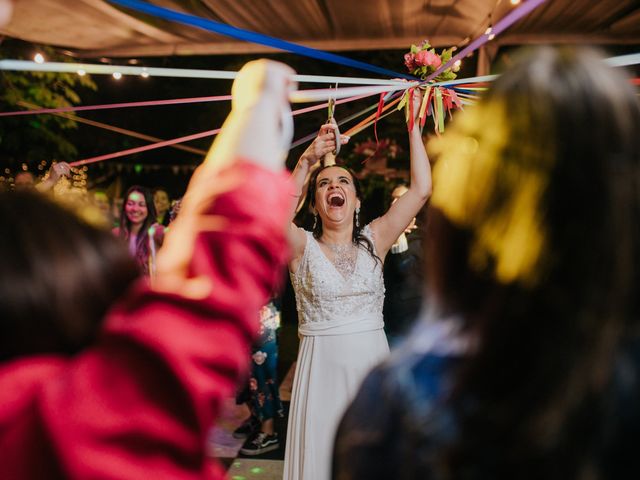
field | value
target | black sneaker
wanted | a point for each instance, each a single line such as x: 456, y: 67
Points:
x: 260, y: 443
x: 248, y: 428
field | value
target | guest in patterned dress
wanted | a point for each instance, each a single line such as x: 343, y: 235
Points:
x: 261, y: 393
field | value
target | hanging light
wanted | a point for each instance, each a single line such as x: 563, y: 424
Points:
x: 82, y: 73
x: 117, y: 75
x: 38, y: 58
x: 145, y: 73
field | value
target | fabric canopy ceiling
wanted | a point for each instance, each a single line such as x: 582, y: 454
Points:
x: 95, y: 28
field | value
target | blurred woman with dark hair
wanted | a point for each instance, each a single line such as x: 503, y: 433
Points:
x: 56, y: 285
x: 336, y: 272
x: 526, y: 364
x: 139, y: 228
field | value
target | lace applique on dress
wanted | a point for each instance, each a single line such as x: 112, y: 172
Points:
x: 344, y: 257
x: 323, y: 293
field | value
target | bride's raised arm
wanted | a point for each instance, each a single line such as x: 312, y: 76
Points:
x: 388, y: 227
x: 323, y: 144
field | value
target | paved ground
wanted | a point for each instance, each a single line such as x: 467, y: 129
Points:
x: 225, y: 448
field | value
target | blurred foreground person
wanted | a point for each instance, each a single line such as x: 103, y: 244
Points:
x: 527, y: 363
x: 137, y: 401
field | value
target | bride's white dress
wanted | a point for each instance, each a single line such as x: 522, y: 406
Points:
x: 342, y: 338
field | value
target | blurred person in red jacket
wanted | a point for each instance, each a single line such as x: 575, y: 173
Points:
x: 96, y: 384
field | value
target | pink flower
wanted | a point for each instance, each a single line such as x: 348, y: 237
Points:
x: 410, y: 61
x: 426, y: 58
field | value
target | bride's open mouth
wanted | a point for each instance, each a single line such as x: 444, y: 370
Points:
x: 335, y: 199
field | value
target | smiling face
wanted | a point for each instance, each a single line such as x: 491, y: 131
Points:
x: 136, y: 208
x: 335, y: 197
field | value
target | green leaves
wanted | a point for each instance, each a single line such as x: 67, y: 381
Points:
x: 33, y: 139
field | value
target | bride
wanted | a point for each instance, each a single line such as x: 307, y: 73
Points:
x: 336, y: 272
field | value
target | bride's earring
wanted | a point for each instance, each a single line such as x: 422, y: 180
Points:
x: 357, y: 217
x: 315, y: 221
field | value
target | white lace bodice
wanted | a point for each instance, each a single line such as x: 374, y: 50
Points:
x: 324, y: 295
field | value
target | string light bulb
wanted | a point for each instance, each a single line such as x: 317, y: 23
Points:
x: 38, y: 58
x: 82, y: 73
x: 117, y: 75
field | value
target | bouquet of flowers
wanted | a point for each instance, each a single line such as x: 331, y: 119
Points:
x: 422, y: 61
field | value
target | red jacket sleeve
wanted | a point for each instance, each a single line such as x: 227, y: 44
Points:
x: 138, y: 404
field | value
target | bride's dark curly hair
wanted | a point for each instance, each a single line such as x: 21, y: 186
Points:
x: 357, y: 236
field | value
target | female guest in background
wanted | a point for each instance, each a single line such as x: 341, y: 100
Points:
x: 403, y: 280
x: 163, y: 206
x: 336, y: 272
x: 100, y: 199
x: 138, y: 227
x: 527, y: 364
x: 261, y: 394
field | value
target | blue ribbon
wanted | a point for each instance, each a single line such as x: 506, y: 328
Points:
x: 229, y: 31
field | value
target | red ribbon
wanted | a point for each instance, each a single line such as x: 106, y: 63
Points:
x: 375, y: 126
x: 429, y: 104
x: 455, y: 98
x: 410, y: 109
x: 423, y: 119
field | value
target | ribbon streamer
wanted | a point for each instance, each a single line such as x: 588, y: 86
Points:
x: 623, y: 60
x: 99, y: 69
x: 188, y: 138
x: 145, y: 148
x: 253, y: 37
x: 502, y: 25
x: 150, y: 103
x: 303, y: 96
x: 122, y: 131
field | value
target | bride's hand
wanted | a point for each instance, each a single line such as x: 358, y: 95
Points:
x: 324, y: 143
x: 417, y: 103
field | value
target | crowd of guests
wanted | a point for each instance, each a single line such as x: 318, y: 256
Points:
x: 139, y: 217
x: 515, y: 323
